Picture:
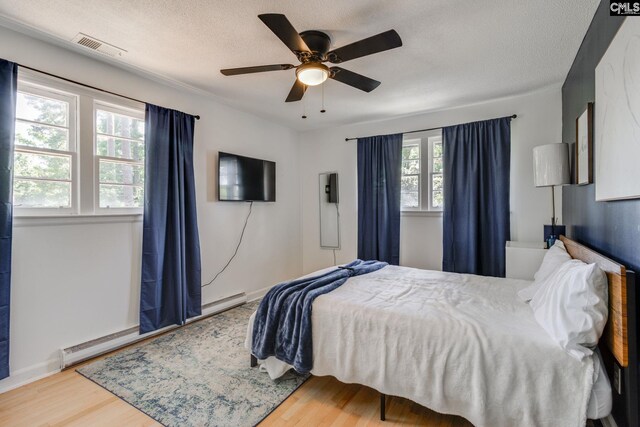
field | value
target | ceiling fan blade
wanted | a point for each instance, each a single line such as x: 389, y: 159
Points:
x: 353, y: 79
x: 282, y: 28
x: 297, y: 92
x: 374, y: 44
x: 257, y: 69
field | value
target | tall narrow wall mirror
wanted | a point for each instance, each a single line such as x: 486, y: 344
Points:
x: 329, y: 210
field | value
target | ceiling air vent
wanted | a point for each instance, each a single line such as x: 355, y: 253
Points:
x: 98, y: 45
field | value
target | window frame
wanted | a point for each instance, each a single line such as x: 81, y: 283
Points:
x: 38, y: 89
x: 430, y: 143
x: 425, y: 141
x: 410, y: 143
x: 116, y: 109
x: 85, y: 163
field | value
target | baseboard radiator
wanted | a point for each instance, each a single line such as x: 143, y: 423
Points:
x: 81, y: 352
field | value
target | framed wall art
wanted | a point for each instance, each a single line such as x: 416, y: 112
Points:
x: 617, y: 117
x: 584, y: 146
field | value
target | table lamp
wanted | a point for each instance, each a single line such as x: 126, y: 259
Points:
x: 551, y: 168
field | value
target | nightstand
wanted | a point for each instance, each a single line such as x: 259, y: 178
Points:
x: 523, y: 259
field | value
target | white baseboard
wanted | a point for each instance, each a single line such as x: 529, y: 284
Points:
x: 30, y: 374
x: 254, y: 295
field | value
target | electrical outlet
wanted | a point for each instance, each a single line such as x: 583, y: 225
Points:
x: 617, y: 379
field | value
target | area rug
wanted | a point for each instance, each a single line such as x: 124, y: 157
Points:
x: 197, y: 375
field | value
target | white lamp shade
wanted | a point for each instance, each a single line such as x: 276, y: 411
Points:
x: 551, y: 165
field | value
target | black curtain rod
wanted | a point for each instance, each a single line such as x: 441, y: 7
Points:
x: 86, y: 85
x: 415, y: 131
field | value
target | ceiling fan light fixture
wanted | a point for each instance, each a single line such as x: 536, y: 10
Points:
x: 311, y: 48
x: 312, y: 74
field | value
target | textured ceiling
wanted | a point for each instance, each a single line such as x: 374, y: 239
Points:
x: 455, y: 52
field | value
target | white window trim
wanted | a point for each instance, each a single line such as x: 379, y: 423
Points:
x: 84, y: 168
x: 28, y: 221
x: 425, y: 140
x: 410, y: 213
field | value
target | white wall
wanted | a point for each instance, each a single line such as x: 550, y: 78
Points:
x: 73, y: 282
x: 421, y: 241
x: 539, y: 122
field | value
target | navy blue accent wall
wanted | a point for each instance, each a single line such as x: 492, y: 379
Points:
x: 612, y: 228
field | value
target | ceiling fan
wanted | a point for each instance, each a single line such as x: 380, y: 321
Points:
x: 312, y: 49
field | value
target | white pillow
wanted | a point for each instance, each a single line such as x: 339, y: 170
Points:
x: 572, y: 306
x: 553, y: 259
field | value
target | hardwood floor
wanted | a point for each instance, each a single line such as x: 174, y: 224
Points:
x: 324, y: 401
x: 69, y: 399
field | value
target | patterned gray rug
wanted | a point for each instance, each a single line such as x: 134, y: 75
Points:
x: 197, y: 375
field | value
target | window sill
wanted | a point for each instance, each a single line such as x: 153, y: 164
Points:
x: 434, y: 214
x: 32, y: 221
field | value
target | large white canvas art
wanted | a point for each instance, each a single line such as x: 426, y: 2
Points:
x: 617, y: 118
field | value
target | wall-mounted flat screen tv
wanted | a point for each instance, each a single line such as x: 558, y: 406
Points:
x: 243, y: 178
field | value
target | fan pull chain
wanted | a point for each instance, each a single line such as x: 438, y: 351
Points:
x: 304, y: 108
x: 323, y: 110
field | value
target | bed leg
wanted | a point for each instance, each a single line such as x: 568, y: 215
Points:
x: 382, y: 406
x: 254, y: 361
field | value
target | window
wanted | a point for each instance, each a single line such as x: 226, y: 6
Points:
x: 436, y: 169
x: 411, y: 175
x: 422, y: 173
x: 45, y: 160
x: 119, y: 136
x: 77, y: 151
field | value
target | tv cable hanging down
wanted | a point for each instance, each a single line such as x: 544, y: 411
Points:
x: 246, y: 221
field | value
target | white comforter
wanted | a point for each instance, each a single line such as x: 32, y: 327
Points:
x: 457, y: 344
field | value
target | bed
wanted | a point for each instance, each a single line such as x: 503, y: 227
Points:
x: 461, y: 344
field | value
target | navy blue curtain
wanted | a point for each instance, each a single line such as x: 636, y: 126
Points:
x: 171, y: 286
x: 379, y: 173
x: 477, y: 159
x: 8, y: 94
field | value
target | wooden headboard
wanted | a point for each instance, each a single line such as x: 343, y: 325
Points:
x: 615, y: 334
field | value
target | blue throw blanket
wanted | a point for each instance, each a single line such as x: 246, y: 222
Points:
x: 282, y: 327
